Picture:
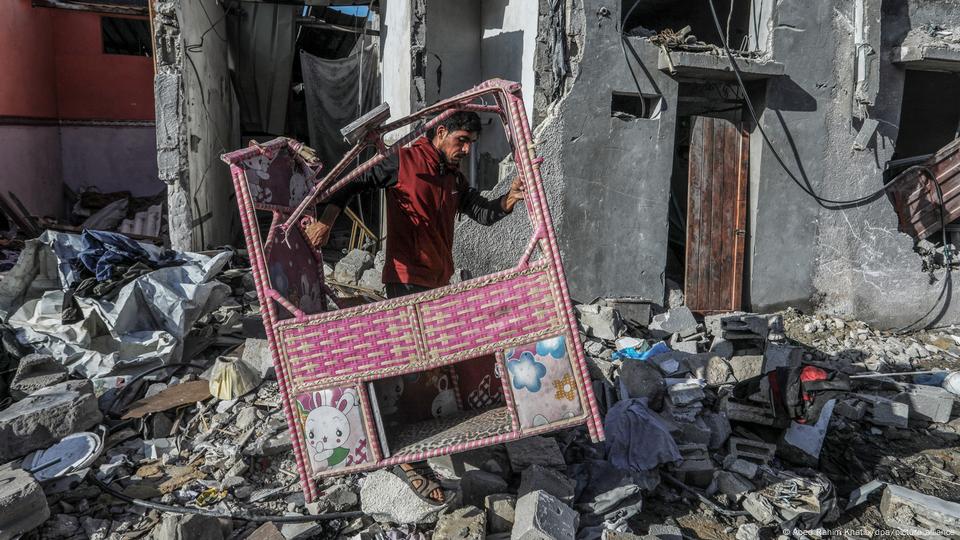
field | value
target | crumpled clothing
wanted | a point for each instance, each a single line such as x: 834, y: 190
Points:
x: 101, y: 252
x: 107, y: 289
x: 637, y: 439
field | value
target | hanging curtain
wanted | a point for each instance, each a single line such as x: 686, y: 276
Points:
x: 337, y: 93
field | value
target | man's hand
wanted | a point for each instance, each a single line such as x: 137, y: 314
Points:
x: 318, y: 232
x: 516, y: 194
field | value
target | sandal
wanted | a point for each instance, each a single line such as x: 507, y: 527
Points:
x: 421, y: 480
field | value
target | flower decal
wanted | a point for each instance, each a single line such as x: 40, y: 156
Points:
x: 555, y: 347
x: 566, y: 388
x: 526, y: 372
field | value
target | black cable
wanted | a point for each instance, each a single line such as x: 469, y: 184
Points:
x: 220, y: 515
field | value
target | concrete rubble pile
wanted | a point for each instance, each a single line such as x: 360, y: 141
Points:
x: 698, y: 443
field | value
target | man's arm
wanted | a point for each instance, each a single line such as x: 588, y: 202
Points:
x: 382, y: 175
x: 486, y: 211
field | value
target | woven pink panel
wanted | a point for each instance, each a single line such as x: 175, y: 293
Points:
x: 348, y: 348
x: 494, y: 314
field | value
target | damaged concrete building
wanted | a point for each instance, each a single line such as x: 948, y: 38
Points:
x: 660, y: 176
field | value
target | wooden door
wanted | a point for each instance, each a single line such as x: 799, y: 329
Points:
x: 716, y: 214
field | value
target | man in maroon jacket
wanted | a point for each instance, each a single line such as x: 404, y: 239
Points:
x: 425, y: 192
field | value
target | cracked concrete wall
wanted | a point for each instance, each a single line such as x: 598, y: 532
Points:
x: 850, y: 262
x: 865, y: 267
x: 197, y: 121
x: 607, y: 179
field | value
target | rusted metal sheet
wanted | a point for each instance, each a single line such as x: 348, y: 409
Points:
x: 716, y: 215
x: 914, y: 192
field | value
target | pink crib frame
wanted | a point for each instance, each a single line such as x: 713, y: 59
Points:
x: 486, y: 315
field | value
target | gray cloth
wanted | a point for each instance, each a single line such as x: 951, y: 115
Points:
x: 333, y: 97
x: 637, y: 439
x: 261, y: 62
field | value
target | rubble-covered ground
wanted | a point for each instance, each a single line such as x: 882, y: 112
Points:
x: 701, y: 419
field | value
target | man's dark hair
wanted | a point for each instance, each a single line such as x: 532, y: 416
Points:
x: 465, y: 120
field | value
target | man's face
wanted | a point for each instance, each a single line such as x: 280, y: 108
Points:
x: 454, y: 145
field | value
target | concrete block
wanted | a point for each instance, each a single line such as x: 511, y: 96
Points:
x: 501, y: 512
x: 535, y: 451
x: 676, y: 320
x: 537, y: 478
x: 748, y: 531
x: 886, y: 412
x: 930, y: 403
x: 663, y: 532
x: 600, y: 321
x: 851, y: 409
x: 721, y: 347
x: 685, y: 393
x: 919, y: 515
x: 747, y: 366
x: 387, y: 498
x: 467, y: 523
x: 642, y: 380
x: 350, y: 268
x: 756, y: 451
x: 631, y: 308
x: 696, y: 472
x: 46, y: 416
x: 696, y: 432
x: 476, y: 485
x: 742, y: 412
x: 733, y: 485
x: 541, y: 516
x: 778, y: 356
x: 372, y: 279
x: 34, y: 372
x: 188, y: 527
x: 256, y: 355
x: 719, y: 428
x: 23, y: 505
x: 747, y: 469
x: 492, y: 459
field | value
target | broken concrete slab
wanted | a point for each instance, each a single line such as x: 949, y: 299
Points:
x: 756, y: 451
x: 23, y: 505
x: 467, y: 523
x: 501, y: 512
x: 538, y: 478
x: 476, y: 485
x: 733, y: 485
x: 387, y: 498
x: 46, y: 416
x: 719, y: 427
x: 886, y: 412
x: 685, y: 393
x: 350, y: 268
x: 256, y: 355
x: 34, y: 372
x: 663, y: 532
x: 918, y: 514
x: 929, y: 403
x: 676, y: 320
x: 747, y: 469
x: 632, y: 308
x: 600, y: 321
x: 541, y: 516
x: 492, y: 459
x: 777, y: 355
x: 535, y: 451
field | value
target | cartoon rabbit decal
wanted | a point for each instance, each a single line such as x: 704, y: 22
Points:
x: 327, y: 428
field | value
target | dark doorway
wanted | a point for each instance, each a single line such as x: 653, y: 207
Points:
x: 708, y: 197
x: 930, y: 113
